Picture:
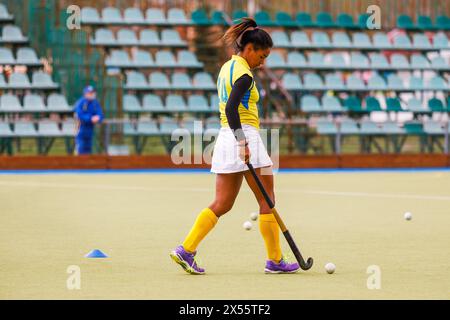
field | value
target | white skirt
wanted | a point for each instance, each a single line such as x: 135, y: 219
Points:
x: 226, y: 158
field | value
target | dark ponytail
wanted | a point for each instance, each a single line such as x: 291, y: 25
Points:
x: 245, y: 32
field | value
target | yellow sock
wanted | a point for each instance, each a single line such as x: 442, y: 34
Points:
x: 205, y: 221
x: 270, y: 231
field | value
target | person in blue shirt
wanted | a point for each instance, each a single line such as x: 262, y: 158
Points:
x: 88, y: 112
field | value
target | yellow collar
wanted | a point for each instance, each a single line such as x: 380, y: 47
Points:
x: 241, y: 60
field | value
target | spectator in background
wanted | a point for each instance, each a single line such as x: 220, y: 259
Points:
x: 88, y: 112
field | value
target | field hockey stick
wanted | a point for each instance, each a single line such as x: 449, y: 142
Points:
x: 305, y: 265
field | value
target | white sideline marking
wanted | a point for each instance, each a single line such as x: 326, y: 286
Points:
x: 36, y: 184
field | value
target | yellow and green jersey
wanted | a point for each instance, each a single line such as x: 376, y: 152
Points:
x: 232, y: 70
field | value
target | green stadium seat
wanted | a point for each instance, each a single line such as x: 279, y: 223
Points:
x: 217, y: 17
x: 326, y: 127
x: 402, y: 41
x: 275, y: 60
x: 10, y: 103
x: 13, y: 34
x: 304, y: 20
x: 167, y: 126
x: 131, y: 103
x: 127, y: 37
x: 19, y: 81
x: 103, y: 37
x: 68, y: 128
x: 436, y: 105
x: 263, y: 18
x: 6, y: 56
x: 155, y: 16
x: 376, y: 83
x: 188, y: 59
x: 391, y: 128
x: 149, y: 37
x: 48, y: 128
x: 133, y: 16
x: 175, y: 103
x: 361, y: 40
x: 198, y: 103
x: 5, y: 130
x: 27, y: 56
x: 362, y: 20
x: 158, y: 80
x: 25, y: 129
x: 296, y: 60
x: 437, y: 83
x: 238, y: 15
x: 214, y: 102
x: 203, y: 81
x: 413, y: 127
x: 212, y: 123
x: 324, y: 20
x: 334, y: 82
x: 358, y: 60
x: 89, y: 15
x: 176, y: 16
x: 368, y: 127
x: 335, y: 61
x: 147, y: 128
x: 349, y: 127
x: 372, y: 104
x: 181, y: 81
x: 299, y: 39
x: 200, y: 17
x: 280, y: 39
x: 42, y: 80
x: 284, y: 19
x: 142, y: 59
x: 418, y: 61
x: 152, y: 103
x: 393, y: 104
x: 394, y: 82
x: 331, y: 104
x: 415, y: 105
x: 440, y: 41
x: 129, y: 129
x: 421, y: 41
x: 312, y: 81
x: 355, y: 83
x: 399, y: 61
x: 291, y: 81
x: 425, y: 23
x: 316, y: 60
x: 443, y: 23
x: 33, y: 103
x: 415, y: 83
x: 56, y: 102
x: 341, y: 40
x: 353, y: 104
x: 439, y: 63
x: 320, y: 39
x: 165, y: 59
x: 310, y: 104
x: 111, y: 15
x: 345, y: 20
x: 405, y: 22
x: 434, y: 128
x: 136, y: 80
x: 4, y: 14
x: 170, y: 37
x: 381, y: 41
x: 118, y: 58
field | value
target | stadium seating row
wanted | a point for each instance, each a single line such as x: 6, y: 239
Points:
x: 160, y: 81
x: 56, y: 102
x: 351, y: 127
x: 163, y: 59
x: 44, y: 128
x: 360, y: 41
x: 173, y: 103
x: 167, y: 125
x: 24, y: 56
x: 312, y: 81
x: 311, y: 104
x: 40, y: 80
x: 12, y: 34
x: 356, y: 61
x: 147, y: 38
x: 176, y: 16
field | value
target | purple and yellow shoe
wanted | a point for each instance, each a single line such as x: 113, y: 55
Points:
x: 282, y: 267
x: 186, y: 260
